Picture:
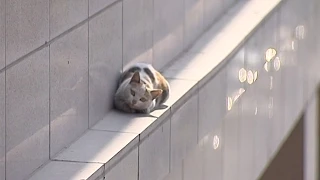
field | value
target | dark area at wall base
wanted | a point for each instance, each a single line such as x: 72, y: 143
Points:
x: 288, y: 163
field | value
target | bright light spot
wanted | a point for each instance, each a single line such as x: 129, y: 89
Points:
x: 300, y: 32
x: 242, y: 75
x: 277, y: 63
x: 230, y: 103
x: 241, y: 91
x: 266, y: 66
x: 238, y: 94
x: 293, y: 44
x: 234, y: 97
x: 255, y: 76
x: 271, y: 82
x: 256, y: 111
x: 270, y: 54
x: 216, y: 142
x: 250, y: 77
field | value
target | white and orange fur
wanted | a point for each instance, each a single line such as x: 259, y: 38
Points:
x: 141, y: 89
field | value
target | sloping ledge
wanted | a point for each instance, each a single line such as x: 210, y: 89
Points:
x: 116, y: 139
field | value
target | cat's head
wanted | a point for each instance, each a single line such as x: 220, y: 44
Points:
x: 138, y: 95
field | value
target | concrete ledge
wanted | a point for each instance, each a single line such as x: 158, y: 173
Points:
x: 119, y: 135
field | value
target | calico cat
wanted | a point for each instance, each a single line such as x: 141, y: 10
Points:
x: 141, y: 89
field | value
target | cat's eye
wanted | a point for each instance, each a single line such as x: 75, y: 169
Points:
x: 143, y: 99
x: 133, y: 93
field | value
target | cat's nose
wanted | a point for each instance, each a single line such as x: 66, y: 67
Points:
x: 134, y: 102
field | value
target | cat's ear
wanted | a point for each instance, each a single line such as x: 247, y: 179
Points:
x: 155, y: 93
x: 135, y: 78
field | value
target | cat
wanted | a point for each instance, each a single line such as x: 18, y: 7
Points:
x: 141, y: 89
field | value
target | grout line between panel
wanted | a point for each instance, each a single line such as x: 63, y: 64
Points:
x: 113, y: 131
x: 138, y: 159
x: 49, y: 85
x: 152, y: 33
x: 5, y: 89
x: 122, y: 36
x: 203, y: 18
x: 183, y: 27
x: 88, y: 43
x: 198, y: 117
x: 170, y: 137
x: 182, y: 170
x: 61, y: 160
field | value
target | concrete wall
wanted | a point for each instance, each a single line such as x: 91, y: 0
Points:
x: 60, y: 59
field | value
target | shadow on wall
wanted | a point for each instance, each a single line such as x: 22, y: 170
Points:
x: 288, y: 163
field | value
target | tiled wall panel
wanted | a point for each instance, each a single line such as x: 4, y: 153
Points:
x: 105, y: 60
x: 27, y: 27
x: 2, y: 33
x: 212, y: 10
x: 137, y: 31
x: 98, y: 5
x: 154, y: 154
x: 126, y: 169
x: 27, y: 115
x: 2, y: 90
x: 193, y: 20
x: 64, y: 14
x: 68, y: 88
x: 2, y: 126
x: 167, y: 31
x: 184, y: 128
x: 212, y: 99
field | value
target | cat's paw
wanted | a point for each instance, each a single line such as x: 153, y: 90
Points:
x: 127, y: 109
x: 144, y: 111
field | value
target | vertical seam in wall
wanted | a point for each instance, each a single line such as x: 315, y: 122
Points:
x: 88, y: 43
x: 198, y: 117
x: 139, y: 158
x: 241, y: 102
x: 152, y: 33
x: 278, y: 15
x: 245, y: 86
x: 49, y: 82
x: 170, y: 142
x: 203, y: 28
x: 223, y: 131
x: 318, y: 133
x: 245, y: 64
x: 240, y: 115
x: 182, y: 169
x: 184, y: 25
x: 122, y: 36
x: 281, y: 72
x: 5, y: 89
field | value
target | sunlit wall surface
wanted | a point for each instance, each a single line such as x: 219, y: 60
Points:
x: 266, y: 86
